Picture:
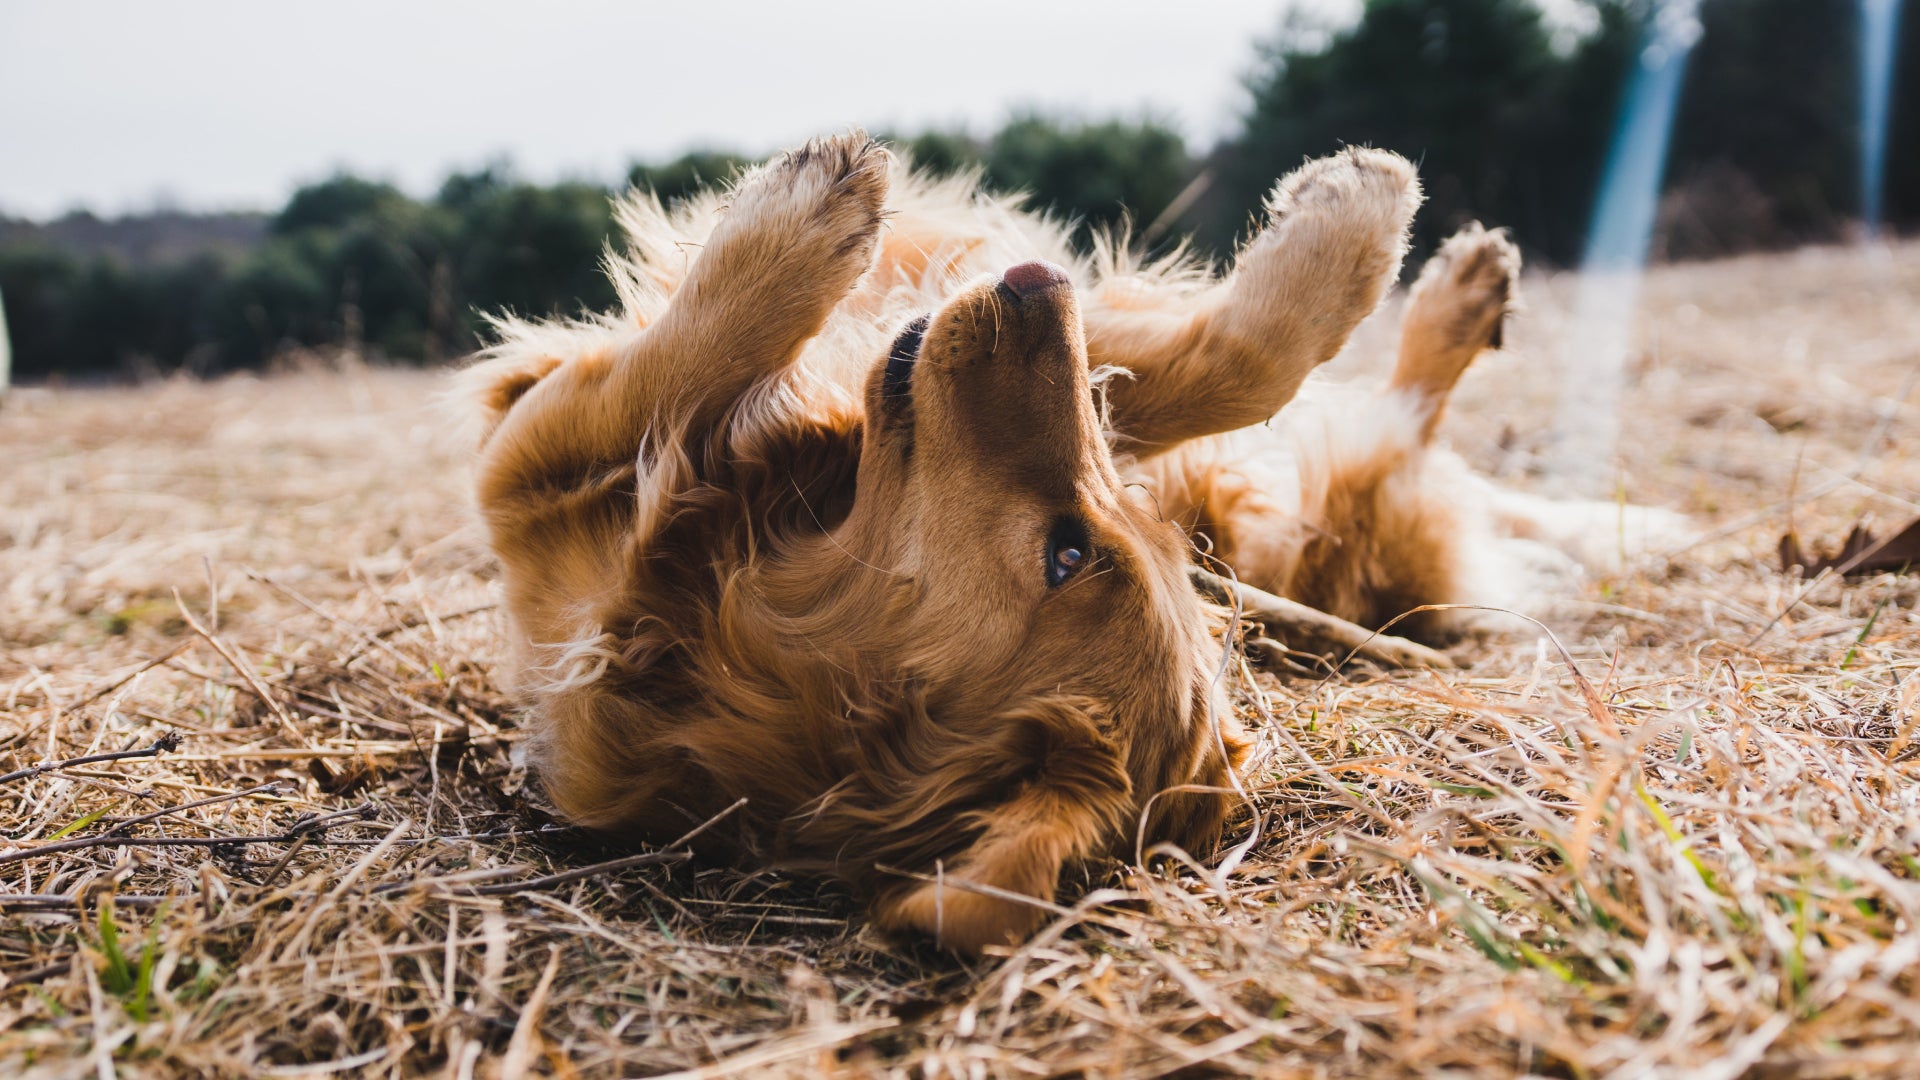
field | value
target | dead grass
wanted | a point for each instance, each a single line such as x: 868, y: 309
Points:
x: 1693, y: 855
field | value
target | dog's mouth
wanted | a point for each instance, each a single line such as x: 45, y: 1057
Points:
x: 896, y: 383
x: 894, y: 410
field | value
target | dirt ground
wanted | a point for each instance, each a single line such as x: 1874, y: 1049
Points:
x: 1692, y: 851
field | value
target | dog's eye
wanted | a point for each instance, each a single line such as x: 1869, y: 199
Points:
x: 897, y: 382
x: 1067, y: 550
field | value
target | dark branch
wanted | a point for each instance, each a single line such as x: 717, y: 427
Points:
x: 114, y: 837
x: 166, y: 744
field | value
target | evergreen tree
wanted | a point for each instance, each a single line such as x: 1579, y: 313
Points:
x: 1504, y: 128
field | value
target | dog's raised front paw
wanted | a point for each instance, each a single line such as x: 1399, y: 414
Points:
x: 1366, y: 196
x: 825, y: 198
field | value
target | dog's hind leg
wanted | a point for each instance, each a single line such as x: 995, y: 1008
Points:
x: 1395, y: 523
x: 1456, y: 311
x: 1342, y: 504
x: 1335, y: 234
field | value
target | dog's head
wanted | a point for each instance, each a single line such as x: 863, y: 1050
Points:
x: 1039, y: 608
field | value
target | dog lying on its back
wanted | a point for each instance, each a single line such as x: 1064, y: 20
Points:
x: 830, y: 516
x: 897, y: 595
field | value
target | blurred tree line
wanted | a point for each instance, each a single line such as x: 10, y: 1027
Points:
x: 1508, y: 112
x: 347, y: 263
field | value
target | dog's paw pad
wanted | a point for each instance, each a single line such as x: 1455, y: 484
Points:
x: 810, y: 217
x: 1371, y: 188
x: 1480, y: 263
x: 836, y: 184
x: 1474, y: 276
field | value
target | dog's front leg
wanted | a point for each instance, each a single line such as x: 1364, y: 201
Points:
x: 1336, y: 231
x: 799, y: 233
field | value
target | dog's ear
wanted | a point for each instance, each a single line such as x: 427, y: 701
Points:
x: 482, y: 394
x: 1073, y: 801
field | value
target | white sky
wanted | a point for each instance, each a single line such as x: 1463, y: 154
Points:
x: 121, y: 105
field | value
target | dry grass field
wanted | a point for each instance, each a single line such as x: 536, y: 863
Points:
x: 1685, y: 846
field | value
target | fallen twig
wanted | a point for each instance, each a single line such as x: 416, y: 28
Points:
x: 39, y: 974
x: 447, y: 618
x: 115, y: 837
x: 57, y: 901
x: 1294, y: 618
x: 165, y: 744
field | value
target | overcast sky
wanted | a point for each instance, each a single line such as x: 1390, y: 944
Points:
x: 118, y: 106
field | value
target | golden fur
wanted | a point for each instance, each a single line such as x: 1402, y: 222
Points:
x: 1345, y: 502
x: 746, y: 554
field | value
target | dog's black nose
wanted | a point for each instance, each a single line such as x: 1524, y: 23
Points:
x: 1033, y: 278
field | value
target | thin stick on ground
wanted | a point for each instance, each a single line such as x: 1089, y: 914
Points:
x: 166, y: 744
x: 1290, y: 617
x: 95, y: 695
x: 116, y: 836
x: 64, y: 901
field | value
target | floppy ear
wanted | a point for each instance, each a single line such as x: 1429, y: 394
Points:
x: 1067, y: 809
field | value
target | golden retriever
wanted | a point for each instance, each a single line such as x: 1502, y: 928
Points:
x: 827, y: 517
